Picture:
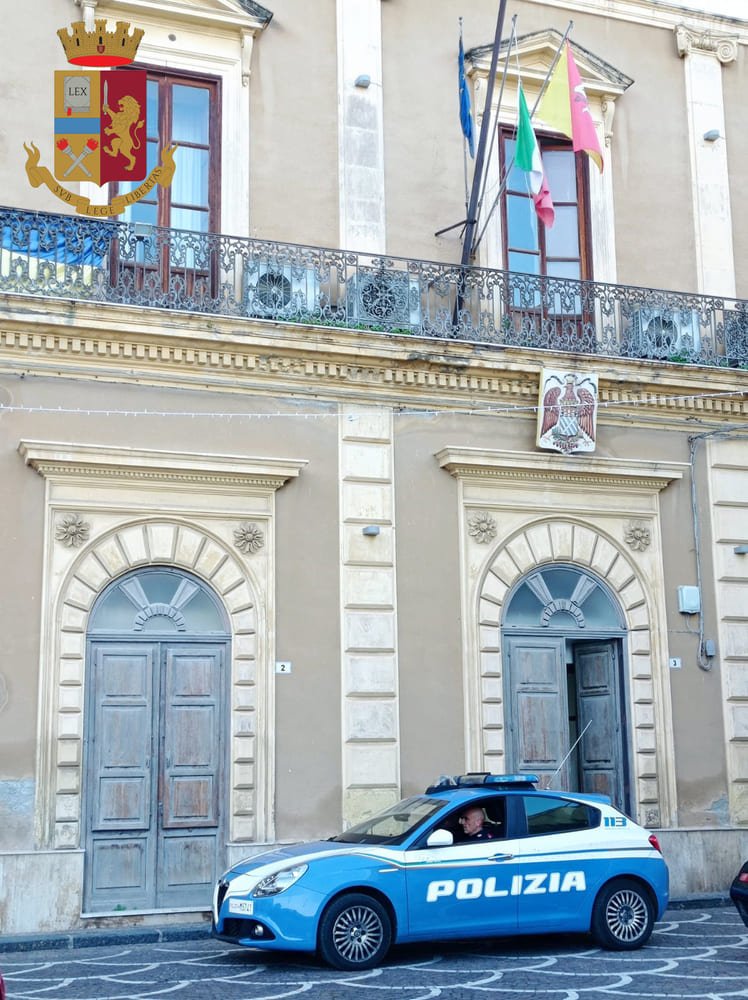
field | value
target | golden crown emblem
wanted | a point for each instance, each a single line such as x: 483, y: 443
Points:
x: 100, y: 47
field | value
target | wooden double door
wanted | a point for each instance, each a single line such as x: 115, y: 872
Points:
x: 558, y: 692
x: 154, y: 796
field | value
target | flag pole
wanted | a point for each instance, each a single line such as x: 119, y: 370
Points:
x: 551, y: 69
x: 464, y: 143
x: 495, y: 129
x: 471, y: 221
x: 508, y: 169
x: 482, y: 140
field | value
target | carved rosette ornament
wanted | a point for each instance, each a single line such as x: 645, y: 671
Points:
x: 482, y: 527
x: 638, y: 536
x: 248, y: 538
x: 72, y: 530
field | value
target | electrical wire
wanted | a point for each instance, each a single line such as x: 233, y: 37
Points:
x: 402, y: 411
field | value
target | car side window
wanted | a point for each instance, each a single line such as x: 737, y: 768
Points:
x: 546, y: 814
x: 492, y: 826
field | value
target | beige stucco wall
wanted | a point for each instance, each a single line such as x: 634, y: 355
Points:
x: 307, y: 727
x: 426, y: 192
x: 285, y: 403
x: 428, y: 604
x: 295, y: 66
x: 308, y: 742
x: 26, y: 94
x: 21, y: 541
x: 734, y: 83
x: 277, y: 399
x: 424, y: 180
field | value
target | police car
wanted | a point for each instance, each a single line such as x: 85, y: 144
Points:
x: 543, y: 861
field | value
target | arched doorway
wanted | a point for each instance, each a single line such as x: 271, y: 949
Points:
x: 563, y: 636
x: 157, y: 656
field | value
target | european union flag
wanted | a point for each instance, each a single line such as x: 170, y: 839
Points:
x: 466, y: 115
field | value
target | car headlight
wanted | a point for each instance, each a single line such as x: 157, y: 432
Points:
x: 271, y: 885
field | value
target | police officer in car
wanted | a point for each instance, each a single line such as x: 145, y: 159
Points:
x: 471, y: 822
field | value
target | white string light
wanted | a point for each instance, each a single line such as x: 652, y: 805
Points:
x: 398, y: 410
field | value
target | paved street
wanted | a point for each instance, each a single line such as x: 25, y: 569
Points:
x: 692, y: 954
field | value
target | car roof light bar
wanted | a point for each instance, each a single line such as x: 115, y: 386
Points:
x: 476, y: 779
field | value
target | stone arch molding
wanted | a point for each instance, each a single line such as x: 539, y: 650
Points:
x: 195, y: 503
x: 180, y: 545
x: 550, y: 508
x: 161, y: 542
x: 571, y: 541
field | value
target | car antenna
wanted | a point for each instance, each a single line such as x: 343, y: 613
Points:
x: 571, y: 751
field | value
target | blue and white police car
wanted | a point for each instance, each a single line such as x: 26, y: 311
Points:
x: 542, y: 861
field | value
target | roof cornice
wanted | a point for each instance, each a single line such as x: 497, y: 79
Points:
x: 56, y: 338
x: 653, y: 13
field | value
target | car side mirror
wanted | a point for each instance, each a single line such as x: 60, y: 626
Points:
x: 440, y: 838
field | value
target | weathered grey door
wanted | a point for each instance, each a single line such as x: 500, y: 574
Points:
x: 552, y: 706
x: 155, y: 774
x: 538, y: 717
x: 599, y: 713
x: 564, y: 687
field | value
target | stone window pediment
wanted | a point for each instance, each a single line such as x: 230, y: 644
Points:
x: 534, y: 55
x: 243, y: 14
x: 535, y: 52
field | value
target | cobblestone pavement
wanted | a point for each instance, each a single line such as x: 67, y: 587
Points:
x: 695, y: 954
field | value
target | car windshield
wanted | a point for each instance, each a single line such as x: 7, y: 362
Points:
x: 392, y: 825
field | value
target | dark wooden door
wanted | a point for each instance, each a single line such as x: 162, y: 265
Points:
x: 154, y: 765
x: 601, y: 752
x: 538, y: 717
x: 567, y: 725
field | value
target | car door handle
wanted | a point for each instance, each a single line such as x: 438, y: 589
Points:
x: 501, y: 857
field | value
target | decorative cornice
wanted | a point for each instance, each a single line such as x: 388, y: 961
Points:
x: 314, y: 363
x: 688, y: 40
x: 55, y: 460
x: 539, y: 467
x: 660, y: 14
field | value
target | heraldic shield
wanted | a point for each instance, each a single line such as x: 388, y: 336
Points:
x: 100, y: 125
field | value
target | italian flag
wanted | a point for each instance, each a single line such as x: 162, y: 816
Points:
x: 527, y: 158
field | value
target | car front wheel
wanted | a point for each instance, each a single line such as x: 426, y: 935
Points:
x: 354, y: 933
x: 623, y: 916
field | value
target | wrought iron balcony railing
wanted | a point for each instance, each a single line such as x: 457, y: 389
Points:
x: 95, y: 260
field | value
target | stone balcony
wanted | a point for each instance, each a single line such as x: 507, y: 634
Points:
x: 134, y: 264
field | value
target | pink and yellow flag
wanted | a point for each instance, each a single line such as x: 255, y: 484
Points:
x: 564, y: 107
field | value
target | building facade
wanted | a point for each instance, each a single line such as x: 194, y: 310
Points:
x: 300, y: 512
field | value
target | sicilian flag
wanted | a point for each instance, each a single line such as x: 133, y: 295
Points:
x: 466, y: 115
x: 527, y: 158
x: 564, y: 107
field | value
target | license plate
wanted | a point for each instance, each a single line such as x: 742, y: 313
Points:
x: 245, y: 906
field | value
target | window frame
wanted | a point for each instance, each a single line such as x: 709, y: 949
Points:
x: 548, y: 143
x: 167, y: 78
x: 593, y: 815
